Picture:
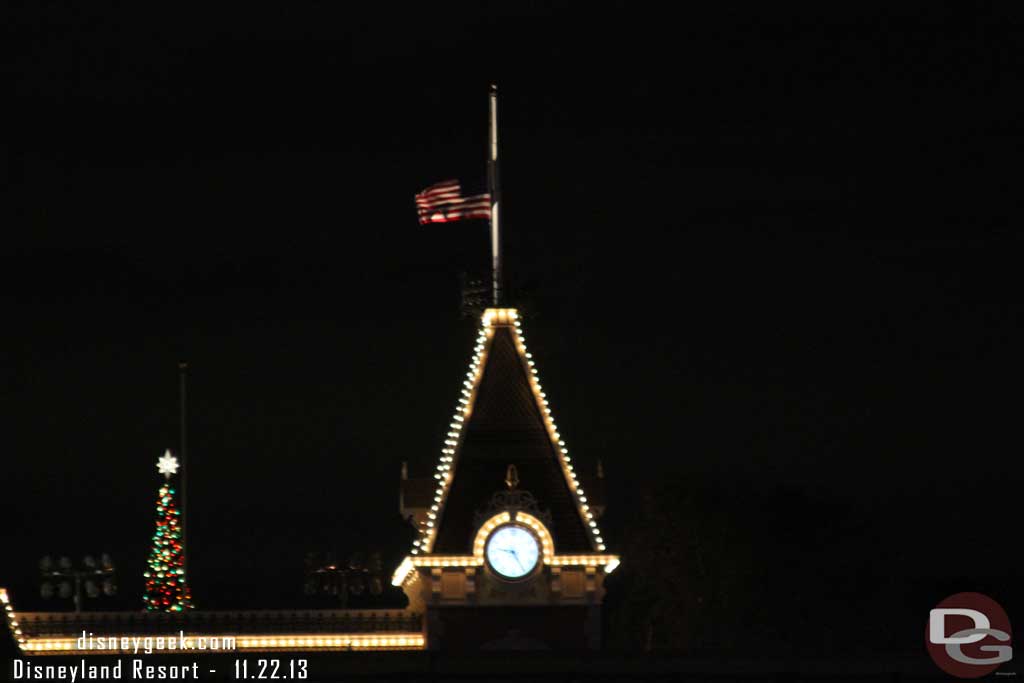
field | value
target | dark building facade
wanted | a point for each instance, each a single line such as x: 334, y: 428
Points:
x: 509, y: 554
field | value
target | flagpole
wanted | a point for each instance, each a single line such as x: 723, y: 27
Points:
x: 183, y: 369
x: 495, y: 191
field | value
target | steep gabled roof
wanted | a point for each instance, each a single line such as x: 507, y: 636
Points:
x: 503, y: 419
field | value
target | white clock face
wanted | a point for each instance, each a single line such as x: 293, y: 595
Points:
x: 512, y: 551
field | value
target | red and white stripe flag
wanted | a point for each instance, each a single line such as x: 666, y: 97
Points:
x: 443, y: 202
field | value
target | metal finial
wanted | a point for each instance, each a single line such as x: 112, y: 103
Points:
x: 511, y: 477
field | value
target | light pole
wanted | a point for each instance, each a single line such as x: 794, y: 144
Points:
x: 98, y: 578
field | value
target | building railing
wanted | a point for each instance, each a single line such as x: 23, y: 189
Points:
x: 53, y: 624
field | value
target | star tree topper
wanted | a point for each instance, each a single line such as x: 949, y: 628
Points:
x: 167, y: 465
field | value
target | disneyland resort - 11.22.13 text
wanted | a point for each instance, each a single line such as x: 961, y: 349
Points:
x: 132, y: 669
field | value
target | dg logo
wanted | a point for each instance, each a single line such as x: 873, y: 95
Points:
x: 968, y: 635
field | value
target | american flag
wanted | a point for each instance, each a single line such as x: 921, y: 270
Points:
x: 443, y: 202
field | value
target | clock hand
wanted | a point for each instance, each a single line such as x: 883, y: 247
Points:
x: 516, y: 555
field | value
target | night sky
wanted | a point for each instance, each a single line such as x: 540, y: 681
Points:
x: 775, y: 246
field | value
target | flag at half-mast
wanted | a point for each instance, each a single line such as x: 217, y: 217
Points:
x: 443, y: 203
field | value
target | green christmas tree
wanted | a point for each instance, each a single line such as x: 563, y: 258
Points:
x: 166, y: 586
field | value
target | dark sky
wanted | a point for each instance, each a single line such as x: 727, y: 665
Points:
x: 781, y: 244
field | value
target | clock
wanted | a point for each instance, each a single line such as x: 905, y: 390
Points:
x: 512, y: 551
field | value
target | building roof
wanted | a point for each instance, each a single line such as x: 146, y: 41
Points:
x: 503, y: 419
x: 506, y: 428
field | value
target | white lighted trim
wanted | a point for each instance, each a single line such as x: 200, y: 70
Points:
x: 608, y: 562
x: 521, y: 518
x: 445, y: 470
x: 249, y: 642
x: 12, y: 618
x: 402, y: 572
x: 485, y: 530
x: 447, y: 561
x: 406, y: 568
x: 590, y: 522
x: 255, y: 643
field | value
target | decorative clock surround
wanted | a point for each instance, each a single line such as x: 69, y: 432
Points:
x: 513, y: 551
x: 512, y: 501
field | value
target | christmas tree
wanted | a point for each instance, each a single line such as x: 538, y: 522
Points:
x: 166, y: 585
